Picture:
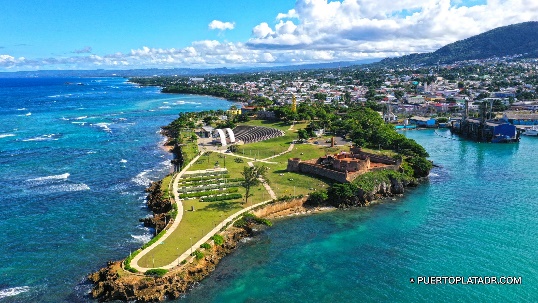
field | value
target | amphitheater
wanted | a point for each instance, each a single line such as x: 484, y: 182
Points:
x: 250, y: 134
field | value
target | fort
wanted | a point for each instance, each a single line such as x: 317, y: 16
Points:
x: 344, y: 167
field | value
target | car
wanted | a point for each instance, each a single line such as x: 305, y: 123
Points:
x: 316, y: 142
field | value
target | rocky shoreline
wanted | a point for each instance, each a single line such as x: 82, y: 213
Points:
x: 159, y: 205
x: 114, y: 283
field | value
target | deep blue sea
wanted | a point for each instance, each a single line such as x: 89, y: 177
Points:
x: 74, y: 163
x: 476, y: 217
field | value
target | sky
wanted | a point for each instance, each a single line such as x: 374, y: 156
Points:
x: 130, y: 34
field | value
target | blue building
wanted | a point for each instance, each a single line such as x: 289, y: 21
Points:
x: 423, y: 121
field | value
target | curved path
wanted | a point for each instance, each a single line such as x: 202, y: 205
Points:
x: 175, y: 224
x: 177, y: 220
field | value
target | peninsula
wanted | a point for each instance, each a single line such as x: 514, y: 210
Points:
x: 234, y: 170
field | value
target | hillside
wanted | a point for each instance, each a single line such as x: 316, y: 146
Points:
x: 508, y: 40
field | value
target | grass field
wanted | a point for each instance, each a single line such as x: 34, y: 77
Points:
x: 207, y: 215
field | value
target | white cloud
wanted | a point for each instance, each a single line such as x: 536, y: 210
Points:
x: 385, y: 26
x: 317, y: 31
x: 216, y: 24
x: 291, y: 14
x: 262, y: 30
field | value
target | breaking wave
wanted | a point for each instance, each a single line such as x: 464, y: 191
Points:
x: 50, y: 178
x: 13, y: 291
x: 6, y: 135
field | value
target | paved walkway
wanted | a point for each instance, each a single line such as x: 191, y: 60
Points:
x: 267, y: 187
x: 175, y: 224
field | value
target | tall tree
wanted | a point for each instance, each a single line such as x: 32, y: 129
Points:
x: 252, y: 175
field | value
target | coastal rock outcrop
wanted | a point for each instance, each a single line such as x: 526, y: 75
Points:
x: 113, y: 283
x: 381, y: 190
x: 159, y: 205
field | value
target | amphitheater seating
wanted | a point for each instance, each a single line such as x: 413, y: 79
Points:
x: 250, y: 134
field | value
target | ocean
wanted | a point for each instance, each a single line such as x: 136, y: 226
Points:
x: 75, y: 158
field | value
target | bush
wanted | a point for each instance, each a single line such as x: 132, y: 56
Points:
x: 198, y: 254
x: 421, y: 166
x: 217, y: 239
x: 205, y: 246
x: 317, y: 198
x: 173, y: 212
x: 249, y: 218
x: 220, y: 198
x: 159, y: 272
x: 238, y: 160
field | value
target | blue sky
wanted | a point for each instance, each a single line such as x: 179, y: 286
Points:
x: 91, y: 34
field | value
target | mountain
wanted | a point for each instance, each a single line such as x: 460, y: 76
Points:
x: 515, y: 39
x: 178, y: 71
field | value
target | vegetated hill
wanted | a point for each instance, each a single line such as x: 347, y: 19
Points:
x: 515, y: 39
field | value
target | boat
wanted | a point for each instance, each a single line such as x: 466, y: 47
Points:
x: 533, y: 131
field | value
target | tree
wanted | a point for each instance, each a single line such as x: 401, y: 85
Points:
x: 302, y: 134
x: 252, y: 175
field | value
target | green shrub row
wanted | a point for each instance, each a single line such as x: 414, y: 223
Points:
x: 207, y: 187
x: 249, y: 218
x: 209, y: 193
x: 159, y: 272
x: 127, y: 262
x: 173, y: 212
x: 206, y: 176
x: 220, y: 198
x: 205, y: 246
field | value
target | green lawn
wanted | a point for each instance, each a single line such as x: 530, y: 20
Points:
x: 279, y: 125
x: 195, y: 224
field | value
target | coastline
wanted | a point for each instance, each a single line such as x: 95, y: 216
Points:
x: 114, y: 282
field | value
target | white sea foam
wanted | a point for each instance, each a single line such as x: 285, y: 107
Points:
x: 164, y: 107
x: 81, y: 118
x: 28, y: 114
x: 48, y: 137
x: 79, y: 123
x: 142, y: 238
x: 13, y: 291
x: 24, y: 108
x: 6, y: 135
x: 141, y: 178
x: 67, y: 188
x: 123, y: 161
x: 103, y: 125
x: 54, y: 177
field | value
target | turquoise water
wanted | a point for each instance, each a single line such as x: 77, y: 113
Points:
x: 74, y: 163
x: 476, y: 216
